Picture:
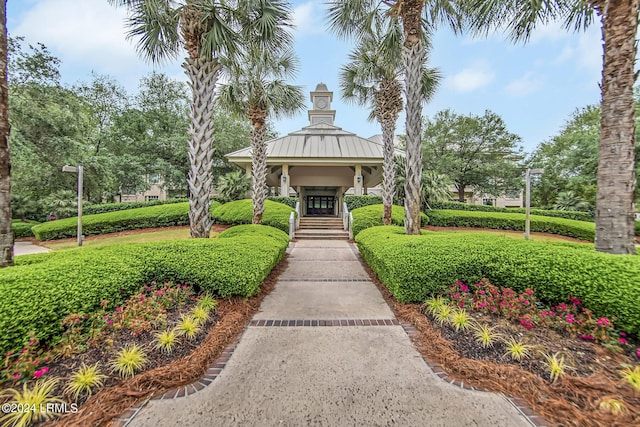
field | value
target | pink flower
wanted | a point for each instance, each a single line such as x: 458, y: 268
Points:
x: 119, y: 309
x: 623, y: 334
x: 41, y: 372
x: 622, y: 340
x: 586, y: 337
x: 464, y: 288
x: 109, y: 322
x: 562, y: 306
x: 570, y: 318
x: 17, y: 376
x: 603, y: 321
x: 638, y: 352
x: 575, y: 301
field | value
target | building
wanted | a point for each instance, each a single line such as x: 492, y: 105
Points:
x: 320, y: 162
x: 514, y: 199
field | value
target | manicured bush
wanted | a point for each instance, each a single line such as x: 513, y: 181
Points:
x: 414, y: 267
x: 96, y: 208
x: 512, y: 221
x: 130, y: 219
x: 355, y: 202
x: 22, y: 229
x: 37, y: 296
x: 255, y: 230
x: 577, y: 215
x: 241, y: 212
x: 371, y: 216
x: 289, y: 201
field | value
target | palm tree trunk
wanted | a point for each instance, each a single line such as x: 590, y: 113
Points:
x: 388, y: 169
x: 616, y: 180
x: 258, y: 170
x: 388, y: 102
x: 203, y: 76
x: 413, y: 58
x: 6, y: 235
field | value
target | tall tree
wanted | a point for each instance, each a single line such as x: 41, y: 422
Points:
x: 6, y: 236
x: 616, y: 153
x: 354, y: 18
x: 209, y: 30
x: 374, y: 77
x: 473, y: 151
x: 257, y: 89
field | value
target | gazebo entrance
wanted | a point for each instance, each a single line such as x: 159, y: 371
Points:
x: 320, y: 205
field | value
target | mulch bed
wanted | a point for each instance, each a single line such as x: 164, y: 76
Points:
x: 571, y: 401
x: 232, y: 316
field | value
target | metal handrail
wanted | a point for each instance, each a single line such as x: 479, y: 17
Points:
x: 350, y: 228
x: 292, y: 225
x: 298, y: 214
x: 345, y: 216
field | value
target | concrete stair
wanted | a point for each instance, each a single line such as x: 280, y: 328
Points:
x: 321, y: 228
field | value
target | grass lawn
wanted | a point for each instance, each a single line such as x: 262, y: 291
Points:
x: 105, y: 240
x: 539, y: 237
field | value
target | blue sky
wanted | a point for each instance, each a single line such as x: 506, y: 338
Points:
x: 534, y: 87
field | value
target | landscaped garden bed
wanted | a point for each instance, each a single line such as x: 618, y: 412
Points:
x: 83, y: 308
x: 571, y: 366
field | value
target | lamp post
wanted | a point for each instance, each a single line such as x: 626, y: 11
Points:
x: 78, y: 170
x: 527, y: 219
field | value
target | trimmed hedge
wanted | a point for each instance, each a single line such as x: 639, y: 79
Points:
x: 289, y: 201
x: 355, y: 202
x: 130, y: 219
x: 22, y: 229
x: 371, y: 216
x: 92, y: 209
x: 241, y: 212
x: 415, y: 267
x: 37, y: 296
x: 513, y: 221
x: 577, y: 215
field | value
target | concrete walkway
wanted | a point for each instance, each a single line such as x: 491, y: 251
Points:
x: 28, y: 248
x: 313, y: 375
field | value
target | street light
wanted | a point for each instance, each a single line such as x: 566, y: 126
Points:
x: 78, y: 170
x: 527, y: 219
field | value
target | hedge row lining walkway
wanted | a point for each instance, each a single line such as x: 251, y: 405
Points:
x: 295, y: 366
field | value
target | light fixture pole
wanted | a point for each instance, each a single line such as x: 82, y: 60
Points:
x: 79, y: 171
x: 527, y: 190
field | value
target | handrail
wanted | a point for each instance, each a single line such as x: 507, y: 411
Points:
x: 345, y: 216
x: 350, y: 227
x: 298, y: 214
x: 292, y: 224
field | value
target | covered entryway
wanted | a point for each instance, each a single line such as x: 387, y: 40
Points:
x: 321, y: 206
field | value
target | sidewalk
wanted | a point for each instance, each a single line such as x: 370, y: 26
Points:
x: 365, y: 372
x: 28, y: 248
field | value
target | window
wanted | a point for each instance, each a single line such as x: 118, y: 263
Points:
x: 487, y: 202
x: 150, y: 198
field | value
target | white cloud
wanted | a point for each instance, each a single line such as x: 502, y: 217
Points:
x: 525, y: 85
x: 88, y: 32
x: 471, y: 78
x: 307, y: 18
x: 552, y: 31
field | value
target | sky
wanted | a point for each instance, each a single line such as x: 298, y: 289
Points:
x: 534, y: 87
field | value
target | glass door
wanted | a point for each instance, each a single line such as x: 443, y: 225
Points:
x: 320, y: 205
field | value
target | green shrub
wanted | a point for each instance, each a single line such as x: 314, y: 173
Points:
x: 37, y: 296
x: 91, y: 209
x: 415, y: 267
x: 22, y: 229
x: 355, y: 202
x: 577, y: 215
x: 131, y: 219
x: 255, y: 230
x: 289, y: 201
x: 371, y: 216
x: 241, y: 212
x: 512, y: 221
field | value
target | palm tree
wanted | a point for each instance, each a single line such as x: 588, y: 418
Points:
x: 616, y: 156
x: 373, y: 77
x: 209, y: 31
x: 570, y: 201
x: 233, y: 185
x: 355, y: 18
x: 434, y: 188
x: 257, y: 89
x: 6, y: 236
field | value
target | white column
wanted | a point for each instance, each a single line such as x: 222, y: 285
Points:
x: 357, y: 181
x: 284, y: 181
x: 247, y: 168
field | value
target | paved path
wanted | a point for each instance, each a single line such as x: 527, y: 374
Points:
x: 28, y: 248
x: 328, y: 375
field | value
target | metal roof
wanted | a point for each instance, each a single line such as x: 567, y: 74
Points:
x: 318, y: 141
